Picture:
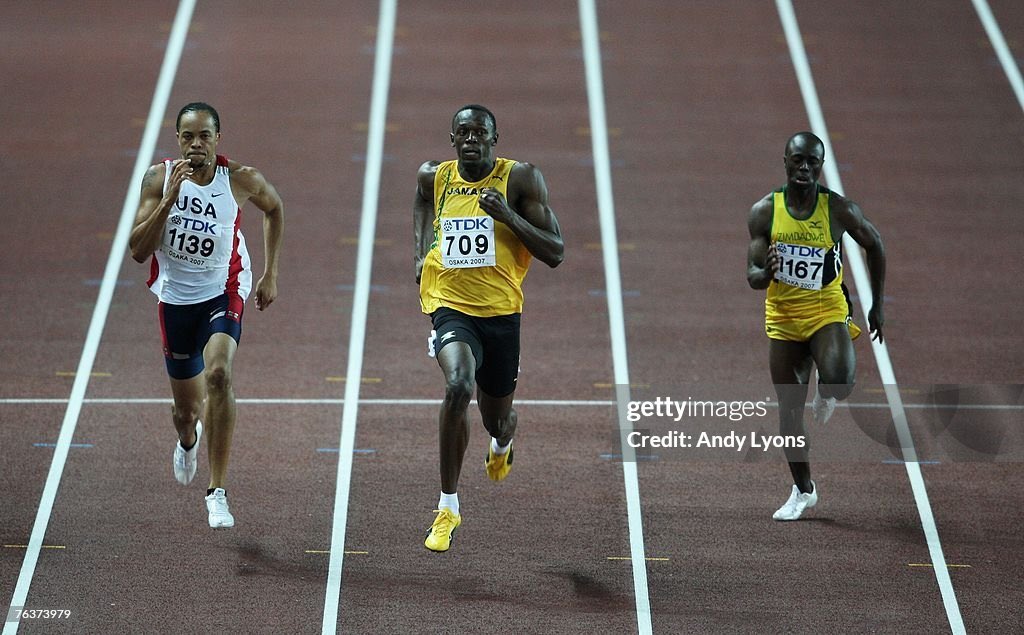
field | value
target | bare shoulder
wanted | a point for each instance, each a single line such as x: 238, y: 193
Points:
x: 246, y: 181
x: 763, y: 207
x: 524, y: 171
x: 429, y: 168
x: 425, y: 175
x: 765, y: 202
x: 243, y: 174
x: 526, y: 179
x: 846, y: 211
x: 153, y: 179
x: 840, y: 203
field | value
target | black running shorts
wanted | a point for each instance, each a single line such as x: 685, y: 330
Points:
x: 493, y: 340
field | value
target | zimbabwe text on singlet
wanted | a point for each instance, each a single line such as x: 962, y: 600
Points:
x: 810, y: 261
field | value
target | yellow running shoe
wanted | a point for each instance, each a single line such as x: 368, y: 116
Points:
x: 498, y: 465
x: 439, y: 538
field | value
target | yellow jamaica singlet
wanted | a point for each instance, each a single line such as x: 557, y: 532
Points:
x: 807, y: 292
x: 475, y: 265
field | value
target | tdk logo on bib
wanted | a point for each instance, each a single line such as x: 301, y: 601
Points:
x: 476, y: 223
x: 199, y: 225
x: 800, y: 251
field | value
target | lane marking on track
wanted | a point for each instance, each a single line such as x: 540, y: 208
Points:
x: 70, y: 445
x: 590, y: 41
x: 356, y: 450
x: 928, y: 564
x: 360, y: 299
x: 354, y: 240
x: 147, y: 146
x: 1006, y: 59
x: 364, y: 380
x: 605, y: 384
x: 638, y: 457
x: 347, y: 552
x: 41, y: 546
x: 885, y: 370
x: 901, y: 462
x: 299, y: 401
x: 648, y: 558
x: 374, y: 288
x: 364, y: 126
x: 95, y: 282
x: 74, y: 373
x: 584, y: 131
x: 401, y: 401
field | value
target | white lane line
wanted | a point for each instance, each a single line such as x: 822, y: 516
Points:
x: 417, y: 401
x: 885, y: 369
x: 360, y: 300
x: 313, y: 402
x: 613, y: 288
x: 995, y: 35
x: 298, y: 401
x: 147, y: 147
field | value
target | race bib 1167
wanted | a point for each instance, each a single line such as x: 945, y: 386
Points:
x: 800, y: 265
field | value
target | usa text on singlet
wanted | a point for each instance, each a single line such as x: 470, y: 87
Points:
x: 202, y: 252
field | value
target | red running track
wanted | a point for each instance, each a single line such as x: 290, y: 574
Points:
x: 700, y: 99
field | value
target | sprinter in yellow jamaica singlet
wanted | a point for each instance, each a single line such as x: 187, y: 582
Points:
x: 478, y: 222
x: 795, y: 253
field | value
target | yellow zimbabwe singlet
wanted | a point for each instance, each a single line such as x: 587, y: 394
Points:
x: 475, y: 264
x: 806, y: 293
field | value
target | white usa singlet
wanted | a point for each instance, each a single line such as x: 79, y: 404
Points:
x: 202, y: 254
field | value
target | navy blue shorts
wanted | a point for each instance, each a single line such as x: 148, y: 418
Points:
x: 186, y: 328
x: 493, y: 340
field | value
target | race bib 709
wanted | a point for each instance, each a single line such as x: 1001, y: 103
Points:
x: 467, y: 242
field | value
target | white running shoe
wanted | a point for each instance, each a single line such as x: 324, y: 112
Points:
x: 821, y: 408
x: 797, y: 503
x: 217, y: 506
x: 186, y: 461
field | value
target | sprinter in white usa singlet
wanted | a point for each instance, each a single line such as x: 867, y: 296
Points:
x: 189, y: 225
x: 202, y: 253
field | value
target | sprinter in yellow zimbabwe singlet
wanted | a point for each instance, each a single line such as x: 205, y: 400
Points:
x: 478, y: 221
x: 795, y: 253
x: 807, y: 292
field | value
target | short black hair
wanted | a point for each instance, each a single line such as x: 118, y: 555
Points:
x: 198, y: 106
x: 808, y: 135
x: 478, y: 108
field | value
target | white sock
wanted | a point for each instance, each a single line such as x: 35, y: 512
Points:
x: 499, y: 449
x: 449, y: 501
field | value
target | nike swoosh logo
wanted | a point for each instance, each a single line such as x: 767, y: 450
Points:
x: 216, y: 195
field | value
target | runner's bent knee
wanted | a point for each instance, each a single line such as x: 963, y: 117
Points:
x: 218, y: 378
x: 459, y: 386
